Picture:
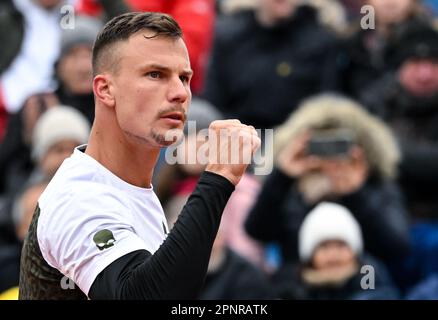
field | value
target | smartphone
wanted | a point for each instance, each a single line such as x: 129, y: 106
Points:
x: 331, y: 143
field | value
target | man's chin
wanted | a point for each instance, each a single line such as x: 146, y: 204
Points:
x: 170, y: 137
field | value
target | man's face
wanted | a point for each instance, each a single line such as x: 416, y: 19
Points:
x: 420, y: 77
x: 151, y: 88
x: 278, y: 9
x: 392, y: 11
x: 75, y: 70
x: 332, y: 254
x: 56, y: 154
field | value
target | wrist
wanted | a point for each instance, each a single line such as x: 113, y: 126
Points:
x: 220, y: 170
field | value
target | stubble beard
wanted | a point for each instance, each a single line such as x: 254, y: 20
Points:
x: 158, y: 139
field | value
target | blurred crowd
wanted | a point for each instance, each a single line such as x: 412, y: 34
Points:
x: 350, y: 87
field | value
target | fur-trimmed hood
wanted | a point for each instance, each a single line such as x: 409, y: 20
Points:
x: 372, y: 134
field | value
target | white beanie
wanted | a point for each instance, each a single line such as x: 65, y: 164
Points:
x: 328, y: 221
x: 56, y: 124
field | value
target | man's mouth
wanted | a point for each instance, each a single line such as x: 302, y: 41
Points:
x: 174, y: 116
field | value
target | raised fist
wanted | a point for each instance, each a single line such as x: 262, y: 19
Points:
x: 231, y: 147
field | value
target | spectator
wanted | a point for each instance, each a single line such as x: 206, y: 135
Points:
x: 57, y: 132
x: 363, y: 59
x: 73, y: 69
x: 196, y: 18
x: 33, y: 52
x: 353, y: 8
x: 11, y: 33
x: 266, y: 60
x: 332, y: 14
x: 407, y: 99
x: 232, y: 277
x: 359, y: 175
x: 74, y: 74
x: 331, y: 259
x: 23, y: 210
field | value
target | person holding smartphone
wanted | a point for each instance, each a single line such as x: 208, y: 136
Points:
x: 331, y: 149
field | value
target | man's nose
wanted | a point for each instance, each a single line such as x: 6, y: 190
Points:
x: 178, y: 91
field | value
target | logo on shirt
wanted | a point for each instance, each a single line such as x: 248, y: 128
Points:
x: 104, y: 239
x: 165, y: 228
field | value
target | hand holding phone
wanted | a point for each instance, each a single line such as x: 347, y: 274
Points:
x: 294, y: 160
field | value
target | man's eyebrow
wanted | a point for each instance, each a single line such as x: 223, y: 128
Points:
x: 186, y: 72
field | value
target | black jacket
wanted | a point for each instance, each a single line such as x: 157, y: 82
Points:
x: 236, y: 279
x: 11, y: 33
x: 359, y: 65
x: 16, y: 164
x: 377, y: 206
x: 259, y: 74
x: 414, y: 122
x: 9, y: 266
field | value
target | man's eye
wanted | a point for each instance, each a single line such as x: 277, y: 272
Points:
x: 154, y: 74
x: 184, y: 79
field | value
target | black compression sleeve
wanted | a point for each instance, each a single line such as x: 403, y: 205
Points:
x: 177, y: 269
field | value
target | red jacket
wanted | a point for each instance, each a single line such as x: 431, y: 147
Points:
x: 196, y: 18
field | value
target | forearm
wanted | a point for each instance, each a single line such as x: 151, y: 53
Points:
x: 178, y: 267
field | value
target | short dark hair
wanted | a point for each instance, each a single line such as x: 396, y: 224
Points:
x: 123, y: 26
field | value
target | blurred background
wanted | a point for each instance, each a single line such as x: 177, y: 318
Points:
x: 350, y: 87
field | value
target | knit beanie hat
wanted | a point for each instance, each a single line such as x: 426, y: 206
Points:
x: 416, y: 39
x: 328, y: 221
x: 57, y: 124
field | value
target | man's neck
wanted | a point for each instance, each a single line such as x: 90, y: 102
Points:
x: 128, y: 161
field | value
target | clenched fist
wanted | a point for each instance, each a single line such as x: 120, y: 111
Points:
x: 231, y: 147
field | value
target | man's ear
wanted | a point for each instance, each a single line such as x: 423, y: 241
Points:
x: 102, y: 87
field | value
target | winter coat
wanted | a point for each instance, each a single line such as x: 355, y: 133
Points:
x: 359, y: 65
x: 377, y: 205
x: 11, y: 33
x: 9, y: 266
x: 414, y: 122
x: 259, y: 74
x: 237, y: 279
